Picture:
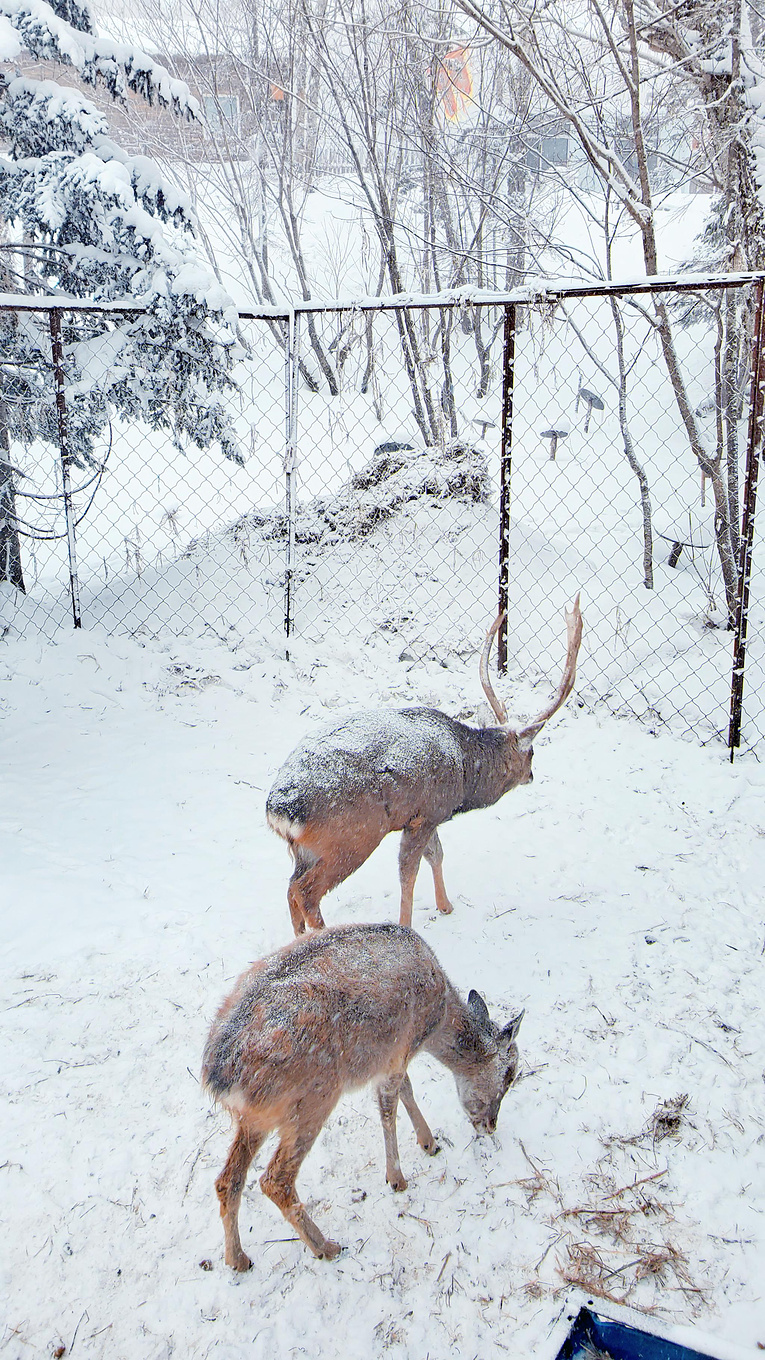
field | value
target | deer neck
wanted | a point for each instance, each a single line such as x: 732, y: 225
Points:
x: 486, y: 772
x: 458, y: 1039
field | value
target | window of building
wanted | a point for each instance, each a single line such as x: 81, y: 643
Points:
x: 548, y: 151
x: 222, y: 112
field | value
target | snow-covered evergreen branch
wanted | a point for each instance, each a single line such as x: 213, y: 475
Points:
x: 95, y: 223
x: 45, y: 32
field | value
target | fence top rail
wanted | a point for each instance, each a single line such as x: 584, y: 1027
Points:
x: 59, y: 302
x: 535, y: 293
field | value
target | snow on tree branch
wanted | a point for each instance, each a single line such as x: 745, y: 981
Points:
x: 96, y: 224
x: 119, y: 67
x: 41, y: 115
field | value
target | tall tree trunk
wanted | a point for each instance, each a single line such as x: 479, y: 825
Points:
x: 629, y: 449
x: 711, y: 464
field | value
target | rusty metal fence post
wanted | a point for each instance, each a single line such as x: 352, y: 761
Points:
x: 505, y: 471
x: 66, y: 485
x: 10, y: 553
x: 291, y: 377
x: 755, y: 436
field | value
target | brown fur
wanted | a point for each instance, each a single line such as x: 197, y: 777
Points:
x: 340, y: 792
x: 329, y: 1012
x: 457, y: 769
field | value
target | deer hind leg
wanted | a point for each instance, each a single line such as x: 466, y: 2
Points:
x: 302, y: 896
x: 319, y: 871
x: 434, y: 854
x: 387, y: 1098
x: 278, y: 1182
x: 424, y: 1136
x: 230, y: 1185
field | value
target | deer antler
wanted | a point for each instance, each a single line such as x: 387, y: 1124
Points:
x: 574, y: 631
x: 500, y: 712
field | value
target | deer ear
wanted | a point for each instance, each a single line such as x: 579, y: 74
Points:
x: 479, y: 1009
x: 511, y: 1029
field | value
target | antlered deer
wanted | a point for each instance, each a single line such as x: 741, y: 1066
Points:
x: 329, y: 1012
x: 408, y: 770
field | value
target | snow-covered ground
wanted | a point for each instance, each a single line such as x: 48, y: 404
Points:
x: 618, y: 898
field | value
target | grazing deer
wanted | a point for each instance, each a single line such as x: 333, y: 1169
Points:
x: 329, y: 1012
x: 408, y: 770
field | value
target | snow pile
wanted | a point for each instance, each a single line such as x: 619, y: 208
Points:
x: 395, y: 476
x: 10, y: 43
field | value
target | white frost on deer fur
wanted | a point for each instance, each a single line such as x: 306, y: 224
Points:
x: 358, y: 778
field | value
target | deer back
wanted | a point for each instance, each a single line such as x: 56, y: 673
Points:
x: 330, y: 1011
x: 393, y: 767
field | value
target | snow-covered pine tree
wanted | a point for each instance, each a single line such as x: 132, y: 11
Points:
x: 79, y: 217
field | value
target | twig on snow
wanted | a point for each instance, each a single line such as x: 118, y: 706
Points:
x: 634, y: 1184
x: 444, y: 1263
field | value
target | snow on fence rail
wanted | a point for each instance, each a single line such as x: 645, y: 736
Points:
x: 408, y: 463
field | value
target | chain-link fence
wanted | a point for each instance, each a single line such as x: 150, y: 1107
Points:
x: 406, y: 467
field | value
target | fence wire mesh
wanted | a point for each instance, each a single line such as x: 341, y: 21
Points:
x: 368, y: 503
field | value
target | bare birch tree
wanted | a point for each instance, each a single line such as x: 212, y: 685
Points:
x: 549, y: 43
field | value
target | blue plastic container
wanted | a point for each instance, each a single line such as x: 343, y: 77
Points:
x: 590, y: 1328
x: 618, y: 1341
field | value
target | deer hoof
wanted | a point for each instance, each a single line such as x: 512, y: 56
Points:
x: 431, y: 1147
x: 330, y: 1251
x: 397, y: 1182
x: 445, y: 908
x: 240, y: 1262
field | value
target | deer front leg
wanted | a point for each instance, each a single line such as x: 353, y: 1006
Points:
x: 229, y: 1186
x: 387, y: 1099
x: 295, y: 904
x: 424, y: 1137
x: 278, y: 1182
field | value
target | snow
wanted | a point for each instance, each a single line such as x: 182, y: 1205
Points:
x: 198, y: 281
x: 618, y: 898
x: 10, y: 46
x: 375, y: 495
x: 120, y: 65
x: 755, y: 100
